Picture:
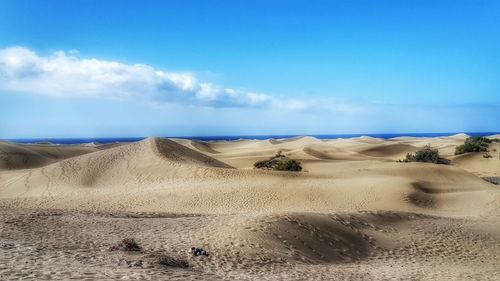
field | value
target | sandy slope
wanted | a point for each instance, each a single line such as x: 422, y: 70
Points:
x: 478, y: 164
x: 354, y: 214
x: 15, y: 156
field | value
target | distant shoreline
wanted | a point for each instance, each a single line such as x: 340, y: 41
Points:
x: 236, y: 137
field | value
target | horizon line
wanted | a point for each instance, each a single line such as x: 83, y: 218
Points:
x: 436, y: 134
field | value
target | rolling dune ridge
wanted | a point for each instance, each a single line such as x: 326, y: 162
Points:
x: 354, y: 213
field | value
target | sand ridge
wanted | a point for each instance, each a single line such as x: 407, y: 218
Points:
x: 355, y: 213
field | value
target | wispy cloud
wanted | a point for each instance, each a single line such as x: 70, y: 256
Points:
x: 66, y: 74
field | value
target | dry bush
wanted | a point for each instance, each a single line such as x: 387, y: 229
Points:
x: 473, y: 144
x: 172, y: 262
x: 426, y: 154
x: 279, y: 162
x: 128, y: 244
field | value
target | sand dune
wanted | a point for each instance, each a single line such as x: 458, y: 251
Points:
x: 354, y: 214
x: 367, y: 139
x: 297, y: 141
x: 388, y: 150
x: 458, y: 136
x: 204, y: 146
x: 146, y: 161
x: 24, y: 156
x: 477, y: 163
x: 175, y: 178
x: 332, y: 153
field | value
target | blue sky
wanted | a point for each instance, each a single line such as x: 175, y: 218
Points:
x: 140, y: 68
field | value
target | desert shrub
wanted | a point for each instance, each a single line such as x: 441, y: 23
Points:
x: 265, y: 164
x: 279, y: 162
x: 172, y: 262
x: 129, y: 244
x: 289, y: 165
x: 426, y: 154
x: 473, y: 144
x: 270, y: 163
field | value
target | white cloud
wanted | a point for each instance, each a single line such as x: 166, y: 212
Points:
x: 66, y: 74
x: 208, y: 91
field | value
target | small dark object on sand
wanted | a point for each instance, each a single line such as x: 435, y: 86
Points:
x: 493, y: 180
x: 129, y: 244
x: 198, y: 252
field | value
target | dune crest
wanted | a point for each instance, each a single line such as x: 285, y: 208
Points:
x: 203, y: 147
x: 175, y: 152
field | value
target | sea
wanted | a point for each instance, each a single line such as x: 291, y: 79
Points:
x: 232, y: 138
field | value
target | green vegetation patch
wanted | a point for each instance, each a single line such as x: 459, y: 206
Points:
x: 426, y: 155
x: 279, y: 162
x: 473, y: 144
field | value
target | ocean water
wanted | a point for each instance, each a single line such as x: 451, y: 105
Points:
x: 230, y: 138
